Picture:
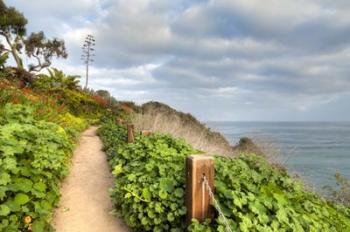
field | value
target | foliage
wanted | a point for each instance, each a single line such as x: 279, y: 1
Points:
x: 160, y: 117
x: 52, y: 98
x: 3, y: 58
x: 13, y: 30
x: 11, y: 20
x: 253, y: 195
x: 100, y: 100
x: 43, y: 50
x: 37, y: 130
x: 149, y: 193
x: 267, y: 199
x: 56, y: 80
x: 72, y: 125
x: 45, y: 107
x: 66, y: 90
x: 79, y: 103
x: 34, y: 157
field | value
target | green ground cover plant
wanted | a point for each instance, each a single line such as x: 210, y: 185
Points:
x: 38, y: 129
x: 34, y: 157
x: 254, y: 196
x: 37, y: 133
x: 149, y: 193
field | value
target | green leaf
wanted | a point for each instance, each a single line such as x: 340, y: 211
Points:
x: 5, y: 178
x: 39, y: 226
x: 10, y: 164
x: 282, y: 216
x: 246, y: 224
x: 179, y: 192
x: 146, y: 194
x: 21, y: 184
x: 163, y: 194
x: 117, y: 170
x: 167, y: 184
x: 40, y: 186
x: 3, y: 190
x: 21, y: 199
x: 170, y: 217
x: 238, y: 202
x: 4, y: 210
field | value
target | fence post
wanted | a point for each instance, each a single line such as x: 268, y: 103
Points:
x: 198, y: 201
x: 131, y: 137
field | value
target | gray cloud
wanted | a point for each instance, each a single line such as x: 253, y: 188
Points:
x: 224, y: 59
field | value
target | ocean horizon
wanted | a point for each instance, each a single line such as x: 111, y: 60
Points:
x: 313, y: 150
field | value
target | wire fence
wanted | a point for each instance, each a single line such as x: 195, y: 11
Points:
x: 205, y: 184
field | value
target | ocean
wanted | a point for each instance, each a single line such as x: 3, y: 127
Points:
x: 315, y: 151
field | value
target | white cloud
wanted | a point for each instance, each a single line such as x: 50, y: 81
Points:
x: 274, y: 57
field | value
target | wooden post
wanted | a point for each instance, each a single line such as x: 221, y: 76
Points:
x: 131, y: 137
x: 198, y: 201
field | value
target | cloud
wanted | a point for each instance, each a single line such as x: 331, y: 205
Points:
x: 219, y: 59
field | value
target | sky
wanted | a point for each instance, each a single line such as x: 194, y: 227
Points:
x: 224, y: 60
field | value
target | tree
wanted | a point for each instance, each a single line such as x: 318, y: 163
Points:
x: 13, y: 29
x: 103, y: 93
x: 43, y: 50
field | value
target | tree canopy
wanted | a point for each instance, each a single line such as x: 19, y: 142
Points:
x: 13, y: 29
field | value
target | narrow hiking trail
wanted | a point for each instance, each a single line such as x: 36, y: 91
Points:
x: 85, y: 204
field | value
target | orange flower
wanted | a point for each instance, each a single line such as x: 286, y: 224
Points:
x: 27, y: 219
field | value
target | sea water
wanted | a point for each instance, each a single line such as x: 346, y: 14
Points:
x: 315, y: 151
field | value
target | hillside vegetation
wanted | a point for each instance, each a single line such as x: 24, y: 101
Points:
x: 159, y: 117
x: 39, y: 126
x: 42, y: 116
x: 254, y: 196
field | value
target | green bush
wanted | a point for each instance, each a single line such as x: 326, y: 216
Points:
x: 257, y: 197
x: 34, y: 157
x: 253, y: 195
x: 149, y: 193
x: 72, y: 125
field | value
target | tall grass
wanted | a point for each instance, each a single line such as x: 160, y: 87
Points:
x: 158, y: 117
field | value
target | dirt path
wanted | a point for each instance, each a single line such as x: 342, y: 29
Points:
x: 85, y: 202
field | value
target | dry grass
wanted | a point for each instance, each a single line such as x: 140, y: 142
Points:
x: 272, y: 151
x: 158, y: 117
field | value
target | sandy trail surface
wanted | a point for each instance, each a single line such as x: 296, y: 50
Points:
x: 85, y: 204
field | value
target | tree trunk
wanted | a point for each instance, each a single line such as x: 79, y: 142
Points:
x: 14, y: 53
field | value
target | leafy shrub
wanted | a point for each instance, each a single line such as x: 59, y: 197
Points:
x: 45, y: 107
x: 72, y: 125
x: 3, y: 58
x: 50, y: 106
x: 34, y: 157
x: 79, y: 103
x: 56, y: 80
x: 149, y: 193
x: 254, y: 196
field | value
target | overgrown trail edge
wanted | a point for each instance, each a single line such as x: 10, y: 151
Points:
x: 85, y: 204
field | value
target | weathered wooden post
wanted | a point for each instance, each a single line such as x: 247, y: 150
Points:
x: 198, y: 200
x: 131, y: 137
